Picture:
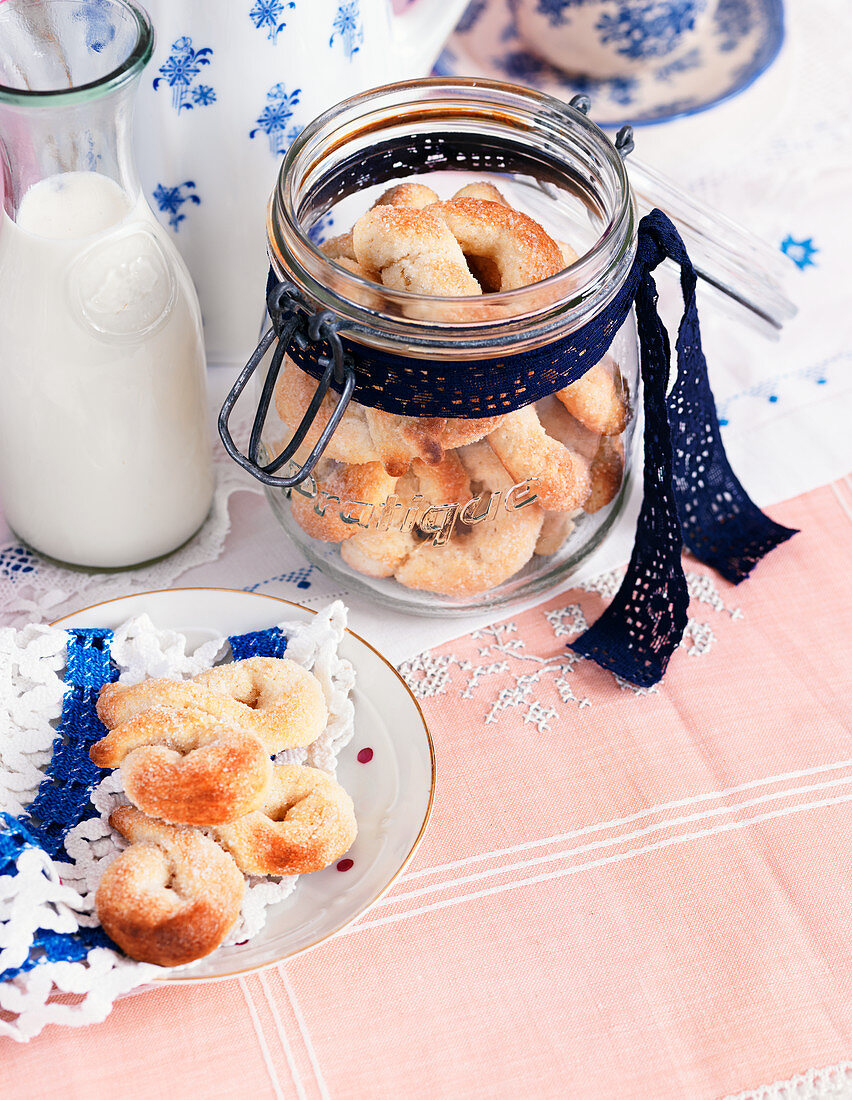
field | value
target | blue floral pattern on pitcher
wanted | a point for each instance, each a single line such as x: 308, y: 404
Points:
x: 348, y: 28
x: 650, y: 30
x: 100, y: 28
x: 180, y: 71
x: 274, y: 119
x: 267, y: 15
x: 169, y: 200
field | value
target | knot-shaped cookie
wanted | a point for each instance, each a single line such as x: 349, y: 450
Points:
x: 493, y: 542
x: 172, y: 896
x: 305, y: 822
x: 273, y: 698
x: 560, y: 475
x: 184, y: 766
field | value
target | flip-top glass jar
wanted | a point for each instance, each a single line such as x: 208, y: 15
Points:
x: 441, y: 514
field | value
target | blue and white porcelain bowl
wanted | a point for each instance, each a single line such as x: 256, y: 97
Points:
x: 612, y: 38
x: 666, y: 58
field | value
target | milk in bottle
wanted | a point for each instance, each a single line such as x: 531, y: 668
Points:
x: 105, y: 457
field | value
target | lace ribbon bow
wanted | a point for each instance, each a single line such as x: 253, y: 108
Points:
x: 691, y: 495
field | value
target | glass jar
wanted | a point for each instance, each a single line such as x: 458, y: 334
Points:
x: 456, y: 494
x: 471, y: 531
x: 105, y: 458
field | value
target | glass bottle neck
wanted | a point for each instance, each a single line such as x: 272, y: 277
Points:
x: 68, y: 76
x: 43, y: 142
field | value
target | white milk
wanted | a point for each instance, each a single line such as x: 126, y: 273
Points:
x: 104, y: 449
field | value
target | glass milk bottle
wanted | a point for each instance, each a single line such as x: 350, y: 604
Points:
x: 105, y: 457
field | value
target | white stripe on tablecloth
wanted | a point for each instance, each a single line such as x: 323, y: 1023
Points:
x: 261, y: 1038
x: 306, y: 1035
x: 610, y: 842
x: 669, y: 842
x: 692, y: 800
x: 282, y: 1038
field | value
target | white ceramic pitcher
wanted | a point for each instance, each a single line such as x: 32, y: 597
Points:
x: 231, y: 84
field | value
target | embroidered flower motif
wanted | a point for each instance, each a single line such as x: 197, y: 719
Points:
x: 274, y: 118
x: 266, y: 15
x: 169, y: 200
x: 300, y: 577
x: 800, y: 252
x: 819, y: 373
x: 348, y: 28
x: 652, y: 29
x: 180, y: 70
x: 534, y: 684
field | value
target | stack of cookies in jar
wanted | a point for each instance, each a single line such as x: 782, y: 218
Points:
x: 456, y: 506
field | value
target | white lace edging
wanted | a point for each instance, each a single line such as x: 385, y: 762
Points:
x: 828, y: 1083
x: 31, y: 690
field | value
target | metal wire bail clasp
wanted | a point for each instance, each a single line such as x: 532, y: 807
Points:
x: 292, y: 323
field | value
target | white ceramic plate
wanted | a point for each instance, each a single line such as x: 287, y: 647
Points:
x: 393, y: 793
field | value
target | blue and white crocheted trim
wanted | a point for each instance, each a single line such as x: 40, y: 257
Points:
x: 51, y: 855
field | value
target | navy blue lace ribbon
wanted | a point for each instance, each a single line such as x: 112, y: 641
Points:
x: 691, y: 495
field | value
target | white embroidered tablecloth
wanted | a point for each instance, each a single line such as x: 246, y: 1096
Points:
x: 777, y: 159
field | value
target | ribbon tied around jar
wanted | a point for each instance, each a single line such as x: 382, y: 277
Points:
x: 691, y: 496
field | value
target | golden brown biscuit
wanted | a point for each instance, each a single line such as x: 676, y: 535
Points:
x: 561, y: 476
x: 413, y: 250
x: 520, y: 250
x: 344, y: 501
x: 306, y: 821
x: 172, y: 896
x: 497, y: 544
x: 605, y: 453
x: 273, y: 698
x: 191, y: 770
x: 599, y: 400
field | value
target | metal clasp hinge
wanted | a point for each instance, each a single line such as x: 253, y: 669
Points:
x: 292, y: 323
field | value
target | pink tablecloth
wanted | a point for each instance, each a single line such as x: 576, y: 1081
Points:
x: 621, y: 894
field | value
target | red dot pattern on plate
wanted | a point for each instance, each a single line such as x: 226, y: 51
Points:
x: 365, y: 756
x: 345, y: 864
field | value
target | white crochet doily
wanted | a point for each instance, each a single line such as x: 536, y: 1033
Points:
x: 32, y: 663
